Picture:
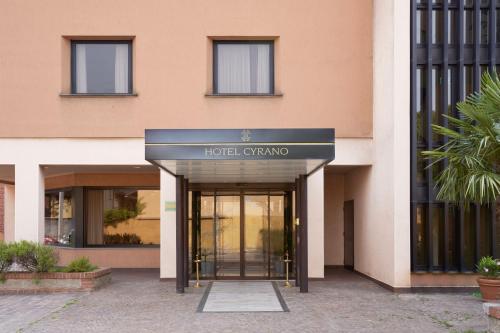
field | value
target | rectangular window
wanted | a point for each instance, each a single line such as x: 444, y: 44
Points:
x: 437, y: 236
x: 421, y: 26
x: 453, y: 237
x: 469, y: 237
x: 452, y: 26
x: 437, y: 26
x: 122, y: 217
x: 101, y: 67
x: 468, y: 26
x: 59, y: 222
x: 421, y: 103
x: 484, y: 26
x: 437, y: 101
x: 243, y: 67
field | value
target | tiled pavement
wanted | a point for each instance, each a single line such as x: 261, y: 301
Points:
x: 138, y: 302
x: 17, y: 312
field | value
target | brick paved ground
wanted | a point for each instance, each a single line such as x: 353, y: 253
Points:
x: 138, y: 302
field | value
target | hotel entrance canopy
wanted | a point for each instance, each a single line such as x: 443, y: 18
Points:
x: 240, y: 155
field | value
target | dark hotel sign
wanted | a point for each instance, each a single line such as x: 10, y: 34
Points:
x: 240, y: 144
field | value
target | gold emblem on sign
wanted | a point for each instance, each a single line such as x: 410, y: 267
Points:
x: 245, y: 135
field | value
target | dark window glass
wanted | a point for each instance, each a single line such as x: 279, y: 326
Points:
x: 497, y: 228
x: 468, y: 27
x: 498, y: 26
x: 485, y: 231
x: 453, y: 237
x: 437, y: 100
x: 468, y: 80
x: 470, y: 237
x: 243, y: 67
x: 437, y: 236
x: 101, y: 68
x: 421, y: 97
x: 437, y: 26
x: 437, y: 168
x: 421, y: 26
x: 122, y: 217
x: 421, y: 223
x: 452, y: 90
x: 484, y: 26
x: 452, y: 26
x: 421, y: 168
x: 59, y: 222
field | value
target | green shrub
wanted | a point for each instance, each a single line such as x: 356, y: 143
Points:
x: 488, y: 267
x: 80, y: 265
x: 34, y: 257
x: 6, y: 257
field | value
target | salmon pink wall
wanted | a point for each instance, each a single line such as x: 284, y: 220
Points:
x: 323, y: 66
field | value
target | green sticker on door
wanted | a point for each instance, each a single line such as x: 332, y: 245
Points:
x: 170, y: 206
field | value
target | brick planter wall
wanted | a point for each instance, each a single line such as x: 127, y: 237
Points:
x: 29, y: 283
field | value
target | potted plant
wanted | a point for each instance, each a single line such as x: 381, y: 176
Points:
x: 489, y: 282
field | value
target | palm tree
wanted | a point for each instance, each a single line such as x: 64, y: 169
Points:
x: 472, y: 150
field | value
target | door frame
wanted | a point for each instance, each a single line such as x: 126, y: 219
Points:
x: 349, y: 204
x: 242, y: 193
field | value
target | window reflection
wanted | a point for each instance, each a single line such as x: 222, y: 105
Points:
x: 437, y: 26
x: 421, y: 246
x: 59, y: 223
x: 122, y: 217
x: 421, y: 26
x: 468, y: 26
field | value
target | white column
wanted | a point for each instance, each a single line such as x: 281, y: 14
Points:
x: 9, y: 217
x: 315, y: 224
x: 167, y: 225
x: 390, y: 183
x: 29, y: 203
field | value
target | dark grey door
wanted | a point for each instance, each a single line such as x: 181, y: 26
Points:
x: 349, y: 234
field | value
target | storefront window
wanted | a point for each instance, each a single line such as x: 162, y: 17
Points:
x: 59, y: 222
x: 122, y: 217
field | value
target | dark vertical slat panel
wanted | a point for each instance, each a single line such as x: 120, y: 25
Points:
x: 430, y: 94
x: 413, y: 130
x: 444, y: 107
x: 477, y: 218
x: 461, y: 248
x: 493, y: 231
x: 179, y: 226
x: 477, y: 43
x: 460, y: 70
x: 492, y: 35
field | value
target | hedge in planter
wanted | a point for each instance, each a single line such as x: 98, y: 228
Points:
x: 34, y: 257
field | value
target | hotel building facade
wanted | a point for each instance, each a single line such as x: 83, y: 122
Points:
x: 242, y: 133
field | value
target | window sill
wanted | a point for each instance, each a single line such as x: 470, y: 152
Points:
x: 98, y: 95
x: 244, y: 95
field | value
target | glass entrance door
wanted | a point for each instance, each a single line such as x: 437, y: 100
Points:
x: 256, y: 249
x: 227, y: 223
x: 241, y: 235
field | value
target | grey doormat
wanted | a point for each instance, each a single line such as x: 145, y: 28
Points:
x: 242, y: 296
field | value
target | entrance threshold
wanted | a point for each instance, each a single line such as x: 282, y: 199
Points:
x: 242, y: 296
